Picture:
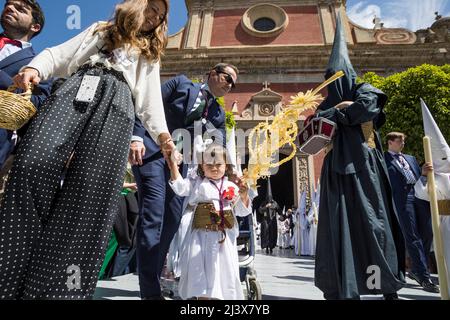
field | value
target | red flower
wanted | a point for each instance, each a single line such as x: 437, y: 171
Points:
x: 228, y: 194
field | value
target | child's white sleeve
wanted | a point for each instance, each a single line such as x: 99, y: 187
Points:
x: 180, y: 186
x: 240, y: 210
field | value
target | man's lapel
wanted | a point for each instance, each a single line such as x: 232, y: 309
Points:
x: 193, y: 94
x: 396, y: 165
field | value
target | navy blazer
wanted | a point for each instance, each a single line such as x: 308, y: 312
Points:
x: 398, y: 178
x: 11, y: 65
x: 179, y: 95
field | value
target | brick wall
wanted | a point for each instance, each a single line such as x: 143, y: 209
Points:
x: 304, y: 28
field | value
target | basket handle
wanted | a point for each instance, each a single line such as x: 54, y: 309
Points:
x: 27, y: 94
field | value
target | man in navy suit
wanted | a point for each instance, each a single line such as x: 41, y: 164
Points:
x: 414, y: 214
x: 187, y: 105
x: 21, y: 20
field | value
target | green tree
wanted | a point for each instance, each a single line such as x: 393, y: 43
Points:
x: 230, y: 123
x: 403, y: 111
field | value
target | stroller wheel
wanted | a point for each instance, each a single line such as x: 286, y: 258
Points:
x: 255, y: 292
x: 168, y: 293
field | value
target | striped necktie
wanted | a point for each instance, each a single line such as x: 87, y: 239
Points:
x: 197, y: 113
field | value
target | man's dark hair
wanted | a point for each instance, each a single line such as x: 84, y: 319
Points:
x: 391, y: 136
x: 37, y: 13
x: 221, y: 67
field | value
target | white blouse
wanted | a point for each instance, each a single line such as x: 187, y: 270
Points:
x: 141, y: 75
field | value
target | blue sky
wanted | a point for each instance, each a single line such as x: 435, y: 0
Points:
x: 56, y: 30
x: 411, y: 14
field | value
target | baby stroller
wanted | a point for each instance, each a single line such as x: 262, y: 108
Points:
x: 246, y: 252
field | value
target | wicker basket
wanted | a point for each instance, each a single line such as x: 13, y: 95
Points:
x: 15, y: 109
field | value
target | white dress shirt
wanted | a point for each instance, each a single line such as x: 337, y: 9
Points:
x: 10, y: 49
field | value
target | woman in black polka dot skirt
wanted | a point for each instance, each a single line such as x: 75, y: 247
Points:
x: 53, y: 237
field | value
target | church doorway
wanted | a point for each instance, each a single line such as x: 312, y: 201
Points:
x: 282, y: 186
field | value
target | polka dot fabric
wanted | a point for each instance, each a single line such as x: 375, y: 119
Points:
x: 46, y: 228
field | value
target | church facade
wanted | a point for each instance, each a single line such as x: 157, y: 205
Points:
x: 282, y: 47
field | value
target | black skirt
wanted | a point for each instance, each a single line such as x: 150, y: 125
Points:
x: 53, y: 236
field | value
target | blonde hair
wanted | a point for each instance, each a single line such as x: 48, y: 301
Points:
x: 125, y: 28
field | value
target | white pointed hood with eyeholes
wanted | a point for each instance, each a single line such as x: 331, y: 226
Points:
x: 441, y: 158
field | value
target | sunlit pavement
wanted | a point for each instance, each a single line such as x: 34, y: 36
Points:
x: 282, y: 276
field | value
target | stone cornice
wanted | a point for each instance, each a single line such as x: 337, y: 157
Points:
x: 194, y: 5
x: 302, y: 51
x: 296, y: 59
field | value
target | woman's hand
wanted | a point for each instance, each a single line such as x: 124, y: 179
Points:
x: 28, y: 75
x: 137, y: 152
x: 131, y: 186
x: 167, y: 148
x: 166, y: 144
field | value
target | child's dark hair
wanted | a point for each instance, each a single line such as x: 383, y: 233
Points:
x: 212, y: 152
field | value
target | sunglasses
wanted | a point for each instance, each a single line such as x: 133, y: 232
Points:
x: 228, y: 77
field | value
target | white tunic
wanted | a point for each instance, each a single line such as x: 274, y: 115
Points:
x: 443, y: 193
x: 208, y: 268
x: 312, y: 230
x: 305, y: 237
x: 141, y: 75
x: 296, y: 240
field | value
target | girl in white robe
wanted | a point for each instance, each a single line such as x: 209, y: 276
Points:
x: 208, y: 262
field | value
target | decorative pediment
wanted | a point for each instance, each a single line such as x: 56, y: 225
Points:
x: 267, y: 95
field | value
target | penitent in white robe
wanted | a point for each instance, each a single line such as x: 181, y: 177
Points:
x: 305, y: 236
x: 295, y: 240
x: 443, y: 193
x: 208, y: 268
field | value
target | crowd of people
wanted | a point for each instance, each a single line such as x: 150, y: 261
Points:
x: 79, y: 143
x: 294, y: 228
x: 102, y: 109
